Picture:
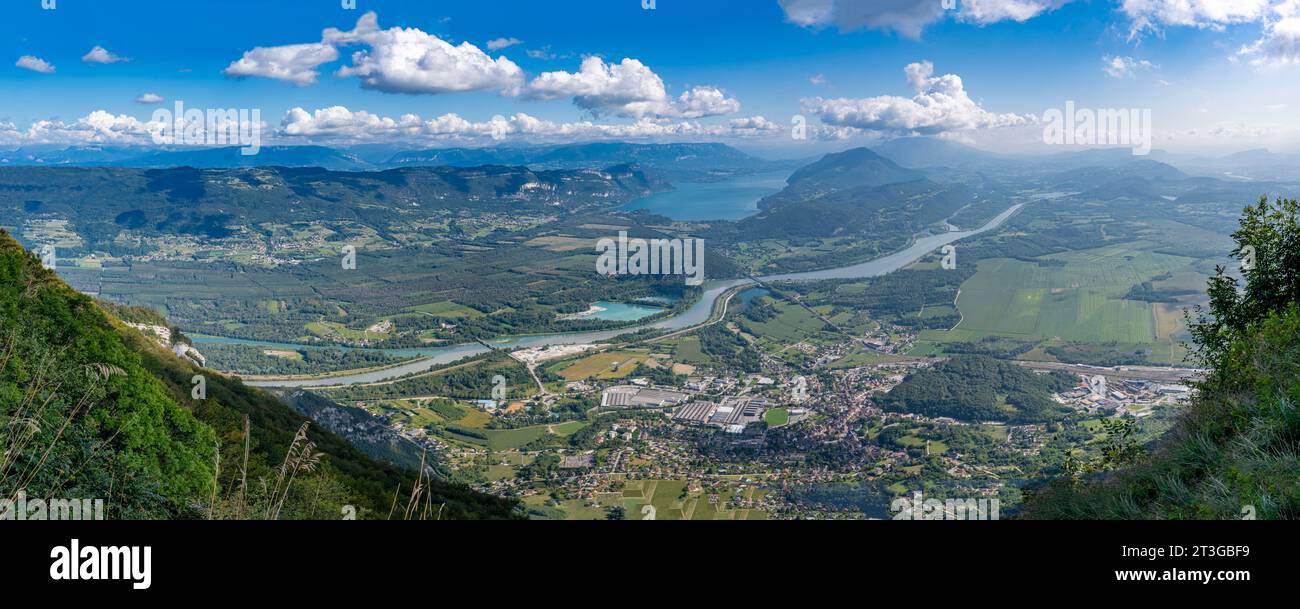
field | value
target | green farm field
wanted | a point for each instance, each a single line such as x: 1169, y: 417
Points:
x: 1083, y: 300
x: 446, y: 309
x: 650, y: 499
x: 616, y: 365
x: 670, y: 503
x: 792, y: 324
x: 688, y: 351
x: 444, y: 417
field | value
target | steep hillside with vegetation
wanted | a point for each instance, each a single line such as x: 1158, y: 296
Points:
x: 1234, y: 452
x: 852, y: 169
x: 891, y: 213
x: 91, y: 408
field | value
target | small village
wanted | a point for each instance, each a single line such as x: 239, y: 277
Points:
x: 753, y: 435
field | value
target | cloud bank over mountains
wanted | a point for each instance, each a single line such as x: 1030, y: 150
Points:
x: 338, y: 125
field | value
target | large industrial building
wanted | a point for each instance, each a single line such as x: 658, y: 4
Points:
x: 626, y: 396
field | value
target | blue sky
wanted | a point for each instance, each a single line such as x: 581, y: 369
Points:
x: 1217, y: 76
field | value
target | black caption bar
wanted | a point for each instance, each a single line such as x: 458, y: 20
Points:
x: 166, y: 560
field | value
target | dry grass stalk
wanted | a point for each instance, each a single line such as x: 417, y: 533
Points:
x: 302, y: 456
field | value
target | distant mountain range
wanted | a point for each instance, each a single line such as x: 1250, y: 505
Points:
x: 160, y: 157
x: 268, y: 156
x: 934, y: 157
x: 926, y: 152
x: 700, y: 157
x: 1104, y: 174
x: 210, y: 202
x: 690, y: 161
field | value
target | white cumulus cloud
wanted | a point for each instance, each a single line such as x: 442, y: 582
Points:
x: 94, y: 128
x: 295, y: 63
x: 985, y: 12
x: 1278, y: 22
x: 628, y: 88
x: 35, y: 64
x: 909, y: 17
x: 940, y: 105
x: 101, y: 55
x: 700, y: 102
x: 397, y: 60
x: 407, y: 60
x: 341, y: 124
x: 9, y: 133
x: 752, y: 126
x: 1280, y: 43
x: 149, y: 98
x: 1153, y: 15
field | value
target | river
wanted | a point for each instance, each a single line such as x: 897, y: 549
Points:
x: 696, y: 314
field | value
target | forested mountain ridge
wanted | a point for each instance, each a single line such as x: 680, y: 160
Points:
x: 102, y: 203
x: 851, y: 169
x: 891, y: 213
x: 91, y: 408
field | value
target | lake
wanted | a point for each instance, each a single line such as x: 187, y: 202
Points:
x: 731, y: 199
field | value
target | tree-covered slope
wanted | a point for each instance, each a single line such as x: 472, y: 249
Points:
x: 891, y: 213
x: 1235, y: 452
x: 80, y: 414
x: 91, y: 408
x: 979, y: 388
x: 855, y: 168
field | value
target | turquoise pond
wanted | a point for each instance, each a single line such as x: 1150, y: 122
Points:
x: 619, y: 311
